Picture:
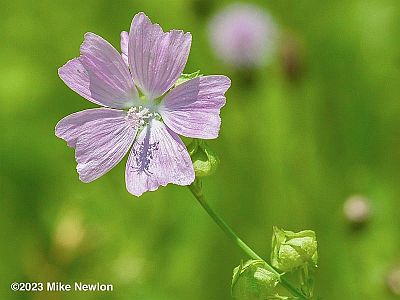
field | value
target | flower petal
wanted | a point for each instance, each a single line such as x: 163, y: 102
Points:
x: 101, y: 138
x: 158, y: 157
x: 110, y: 82
x: 192, y: 108
x: 75, y: 76
x: 124, y: 46
x: 157, y: 59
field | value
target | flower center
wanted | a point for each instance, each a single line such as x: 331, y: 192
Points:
x: 139, y: 116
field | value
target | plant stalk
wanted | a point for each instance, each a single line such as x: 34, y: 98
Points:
x: 196, y: 189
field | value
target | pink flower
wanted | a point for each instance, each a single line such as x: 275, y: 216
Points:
x: 243, y: 35
x: 141, y: 110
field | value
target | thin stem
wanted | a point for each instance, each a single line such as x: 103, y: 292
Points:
x: 196, y: 190
x: 225, y: 227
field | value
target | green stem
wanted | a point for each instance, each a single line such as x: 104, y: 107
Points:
x: 196, y: 190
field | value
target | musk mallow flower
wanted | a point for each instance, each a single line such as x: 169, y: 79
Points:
x: 143, y: 110
x: 243, y: 35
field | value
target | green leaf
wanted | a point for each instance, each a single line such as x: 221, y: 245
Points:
x: 186, y: 77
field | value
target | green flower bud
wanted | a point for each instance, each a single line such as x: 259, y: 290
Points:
x: 291, y: 250
x: 252, y: 281
x: 204, y: 159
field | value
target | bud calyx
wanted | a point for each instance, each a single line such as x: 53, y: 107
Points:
x: 253, y: 281
x: 291, y: 250
x: 204, y: 159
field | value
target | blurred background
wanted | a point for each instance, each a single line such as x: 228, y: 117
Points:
x: 310, y: 124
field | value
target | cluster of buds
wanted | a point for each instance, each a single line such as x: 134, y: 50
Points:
x: 291, y: 252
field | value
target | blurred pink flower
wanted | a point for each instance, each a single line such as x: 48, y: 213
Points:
x: 151, y: 62
x: 357, y: 209
x: 243, y: 35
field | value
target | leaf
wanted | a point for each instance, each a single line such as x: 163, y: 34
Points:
x: 186, y: 77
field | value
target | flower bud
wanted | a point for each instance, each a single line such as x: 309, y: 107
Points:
x: 291, y: 250
x: 357, y: 210
x: 393, y: 280
x: 204, y: 159
x: 292, y: 57
x: 252, y: 281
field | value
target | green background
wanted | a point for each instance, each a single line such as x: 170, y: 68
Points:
x: 292, y: 149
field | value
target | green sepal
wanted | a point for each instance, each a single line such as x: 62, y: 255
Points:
x: 253, y: 281
x: 186, y: 77
x: 292, y: 250
x: 307, y: 280
x: 204, y: 159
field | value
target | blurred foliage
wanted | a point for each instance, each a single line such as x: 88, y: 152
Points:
x: 292, y: 149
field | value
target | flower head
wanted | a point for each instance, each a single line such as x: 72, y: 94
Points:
x: 243, y: 35
x: 142, y: 109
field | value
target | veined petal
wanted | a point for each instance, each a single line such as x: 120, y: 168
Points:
x: 109, y: 80
x: 158, y: 157
x: 124, y: 46
x: 75, y: 76
x: 157, y: 59
x: 192, y: 108
x: 101, y: 138
x: 72, y: 126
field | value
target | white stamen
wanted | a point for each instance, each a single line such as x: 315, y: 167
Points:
x: 139, y: 116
